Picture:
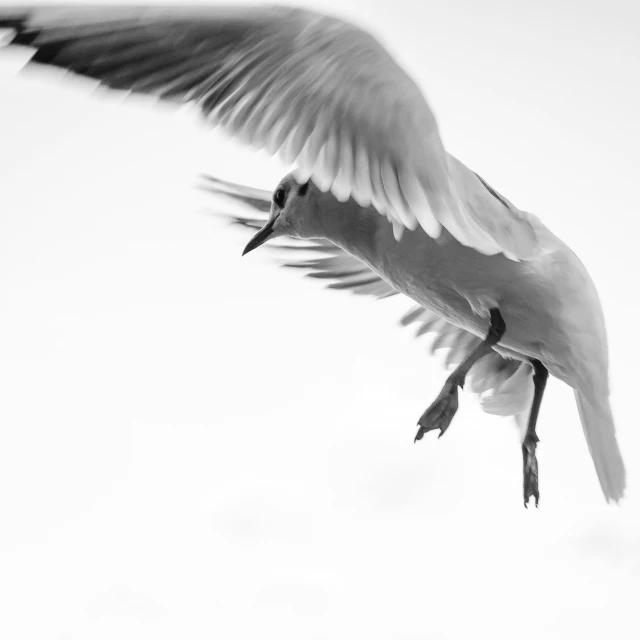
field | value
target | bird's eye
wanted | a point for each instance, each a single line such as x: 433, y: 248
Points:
x: 279, y: 198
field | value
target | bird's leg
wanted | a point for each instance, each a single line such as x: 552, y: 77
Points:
x: 442, y: 410
x: 530, y: 441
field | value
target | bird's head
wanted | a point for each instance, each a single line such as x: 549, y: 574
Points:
x: 292, y: 207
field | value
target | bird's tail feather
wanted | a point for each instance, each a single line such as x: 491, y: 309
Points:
x: 600, y: 433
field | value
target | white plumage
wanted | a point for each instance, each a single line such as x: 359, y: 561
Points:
x: 327, y: 97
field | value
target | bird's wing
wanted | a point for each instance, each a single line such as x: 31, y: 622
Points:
x: 505, y: 386
x: 322, y: 93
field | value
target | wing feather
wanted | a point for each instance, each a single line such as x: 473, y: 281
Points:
x: 318, y: 91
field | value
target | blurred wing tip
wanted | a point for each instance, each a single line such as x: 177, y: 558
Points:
x: 7, y: 33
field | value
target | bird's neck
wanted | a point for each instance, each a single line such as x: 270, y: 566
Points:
x: 354, y: 229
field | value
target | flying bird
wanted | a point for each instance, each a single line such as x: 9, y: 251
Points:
x: 374, y: 193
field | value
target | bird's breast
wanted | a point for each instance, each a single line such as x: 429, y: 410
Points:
x: 459, y: 283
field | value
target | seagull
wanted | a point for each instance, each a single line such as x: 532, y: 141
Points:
x: 373, y: 193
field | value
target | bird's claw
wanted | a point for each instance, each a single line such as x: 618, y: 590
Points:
x: 440, y: 413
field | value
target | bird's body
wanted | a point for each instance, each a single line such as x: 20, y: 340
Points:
x: 549, y: 304
x: 373, y: 178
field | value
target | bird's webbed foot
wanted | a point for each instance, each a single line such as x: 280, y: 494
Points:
x: 441, y: 411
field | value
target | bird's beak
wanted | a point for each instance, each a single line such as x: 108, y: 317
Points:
x: 261, y: 237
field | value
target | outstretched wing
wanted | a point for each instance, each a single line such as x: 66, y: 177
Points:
x: 505, y: 386
x: 318, y: 91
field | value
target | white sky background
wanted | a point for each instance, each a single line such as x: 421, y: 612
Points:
x: 198, y: 446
